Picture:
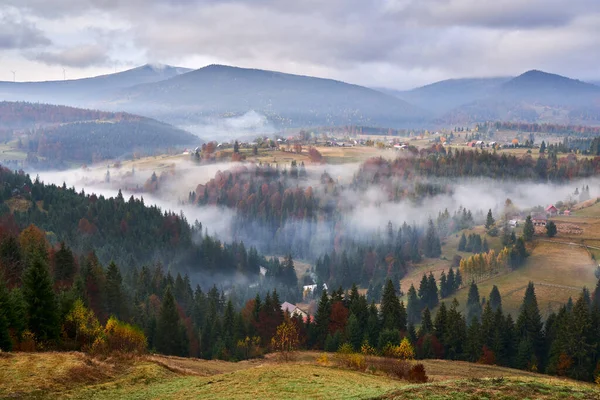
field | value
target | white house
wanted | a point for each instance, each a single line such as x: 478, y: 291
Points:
x: 292, y: 310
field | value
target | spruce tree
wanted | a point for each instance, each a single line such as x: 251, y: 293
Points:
x: 426, y: 323
x: 354, y: 332
x: 443, y: 285
x: 391, y: 312
x: 42, y: 308
x: 551, y: 229
x: 528, y: 229
x: 432, y: 246
x: 473, y: 304
x: 432, y: 293
x: 495, y: 299
x: 64, y: 265
x: 489, y: 221
x: 441, y: 321
x: 529, y: 331
x: 168, y: 338
x: 114, y: 291
x: 322, y: 318
x: 5, y: 341
x: 413, y: 306
x: 462, y: 243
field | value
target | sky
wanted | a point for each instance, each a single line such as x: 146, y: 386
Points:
x: 397, y: 44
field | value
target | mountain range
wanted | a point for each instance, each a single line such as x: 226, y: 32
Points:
x: 199, y: 99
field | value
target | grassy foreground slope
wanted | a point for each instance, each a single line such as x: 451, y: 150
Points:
x: 77, y: 376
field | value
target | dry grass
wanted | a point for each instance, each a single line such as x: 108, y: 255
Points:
x: 18, y: 204
x: 75, y: 375
x: 549, y: 264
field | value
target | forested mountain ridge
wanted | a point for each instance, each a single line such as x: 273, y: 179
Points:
x: 286, y: 99
x: 60, y: 133
x: 125, y: 231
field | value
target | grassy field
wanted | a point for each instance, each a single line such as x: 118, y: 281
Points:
x: 77, y: 376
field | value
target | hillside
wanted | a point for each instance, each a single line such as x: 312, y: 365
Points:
x: 441, y: 97
x: 218, y: 91
x: 77, y: 376
x: 534, y: 96
x: 78, y: 92
x: 59, y: 134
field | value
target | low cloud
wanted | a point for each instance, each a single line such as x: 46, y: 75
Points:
x: 77, y: 57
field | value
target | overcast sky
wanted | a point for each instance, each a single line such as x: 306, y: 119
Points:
x: 388, y: 43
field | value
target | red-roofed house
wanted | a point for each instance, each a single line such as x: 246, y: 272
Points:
x: 552, y: 210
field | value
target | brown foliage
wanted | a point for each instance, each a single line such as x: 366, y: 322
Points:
x: 417, y: 374
x: 487, y: 356
x: 338, y: 317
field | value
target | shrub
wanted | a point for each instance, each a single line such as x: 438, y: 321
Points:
x: 345, y: 348
x: 367, y: 349
x: 487, y: 357
x: 119, y: 337
x: 357, y: 362
x: 323, y: 359
x: 395, y: 368
x: 417, y: 374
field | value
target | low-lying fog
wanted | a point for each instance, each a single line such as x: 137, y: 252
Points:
x: 370, y: 210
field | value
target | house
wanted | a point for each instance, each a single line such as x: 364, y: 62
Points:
x: 513, y: 223
x: 539, y: 220
x: 552, y: 210
x: 292, y: 310
x: 567, y: 212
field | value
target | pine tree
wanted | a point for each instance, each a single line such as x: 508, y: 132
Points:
x: 432, y: 246
x: 42, y: 308
x: 551, y: 229
x: 462, y: 243
x: 489, y: 221
x: 5, y: 341
x: 441, y: 321
x: 529, y: 331
x: 432, y: 293
x: 528, y: 229
x: 114, y: 291
x: 473, y: 304
x: 543, y: 147
x: 64, y: 265
x: 413, y: 306
x: 354, y: 332
x: 443, y: 285
x: 391, y: 312
x: 322, y: 318
x: 426, y: 323
x: 495, y: 299
x: 168, y: 339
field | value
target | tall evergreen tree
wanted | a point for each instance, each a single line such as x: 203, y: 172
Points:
x: 322, y: 318
x: 413, y: 306
x: 392, y: 314
x: 168, y: 337
x: 42, y: 307
x: 529, y: 331
x: 495, y: 299
x: 489, y: 221
x: 528, y: 229
x: 432, y: 246
x: 462, y: 243
x: 473, y: 304
x: 115, y: 303
x: 5, y: 341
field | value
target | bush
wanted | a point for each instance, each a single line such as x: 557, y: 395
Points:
x: 119, y: 337
x: 323, y: 359
x: 395, y: 368
x: 417, y: 374
x: 345, y: 348
x: 367, y: 349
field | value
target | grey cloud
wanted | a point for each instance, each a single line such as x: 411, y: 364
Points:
x: 16, y: 33
x: 397, y: 41
x: 78, y: 57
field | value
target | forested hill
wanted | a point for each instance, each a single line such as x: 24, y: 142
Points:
x: 59, y: 133
x: 126, y: 231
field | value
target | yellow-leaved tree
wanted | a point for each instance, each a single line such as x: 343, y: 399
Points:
x: 405, y: 350
x: 285, y: 341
